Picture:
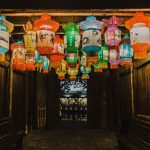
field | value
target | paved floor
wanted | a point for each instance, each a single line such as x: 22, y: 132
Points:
x: 62, y: 139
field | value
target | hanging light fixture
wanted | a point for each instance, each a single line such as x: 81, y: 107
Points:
x: 91, y: 37
x: 6, y: 28
x: 18, y: 51
x: 45, y: 28
x: 57, y: 54
x: 126, y: 52
x: 112, y: 34
x: 30, y: 46
x: 139, y: 27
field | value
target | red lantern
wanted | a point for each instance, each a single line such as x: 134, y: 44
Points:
x: 57, y: 54
x: 45, y: 28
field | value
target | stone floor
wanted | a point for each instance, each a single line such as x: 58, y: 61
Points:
x: 63, y: 139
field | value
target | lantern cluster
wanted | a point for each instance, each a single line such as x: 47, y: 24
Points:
x: 82, y: 48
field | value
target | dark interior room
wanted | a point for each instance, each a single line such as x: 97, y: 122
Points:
x: 74, y: 75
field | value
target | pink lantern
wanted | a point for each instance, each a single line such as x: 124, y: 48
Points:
x: 112, y: 34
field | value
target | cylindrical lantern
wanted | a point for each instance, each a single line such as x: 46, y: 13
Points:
x: 30, y: 61
x: 103, y: 55
x: 57, y: 54
x: 5, y: 28
x: 112, y: 34
x: 71, y: 38
x: 39, y: 62
x: 114, y: 58
x: 45, y: 28
x: 72, y: 58
x: 139, y: 27
x: 91, y: 38
x: 18, y: 51
x: 126, y: 52
x: 29, y: 38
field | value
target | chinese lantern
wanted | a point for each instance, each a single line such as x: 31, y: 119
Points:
x: 114, y: 57
x: 103, y: 55
x: 38, y: 62
x: 97, y: 68
x: 62, y: 70
x: 71, y: 38
x: 5, y: 28
x: 18, y: 52
x: 112, y: 34
x: 139, y: 27
x: 73, y: 72
x: 91, y: 39
x: 30, y: 45
x: 92, y: 59
x: 57, y: 54
x: 45, y: 28
x: 126, y: 52
x: 72, y: 58
x: 85, y: 71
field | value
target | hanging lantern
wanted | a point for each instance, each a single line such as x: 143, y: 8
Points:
x: 18, y: 56
x: 112, y: 34
x: 139, y: 27
x: 46, y: 65
x: 126, y: 52
x: 30, y: 62
x: 45, y: 28
x: 85, y: 71
x: 39, y: 62
x: 97, y: 68
x: 92, y: 59
x: 57, y: 54
x: 71, y: 38
x: 114, y: 57
x: 29, y: 38
x: 73, y: 72
x: 91, y: 39
x: 72, y: 58
x: 62, y: 70
x: 103, y: 55
x: 5, y: 28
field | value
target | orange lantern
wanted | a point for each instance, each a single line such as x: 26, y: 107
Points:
x: 18, y: 56
x: 139, y: 27
x: 57, y: 54
x: 45, y: 28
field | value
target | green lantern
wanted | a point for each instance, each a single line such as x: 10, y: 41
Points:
x: 72, y: 37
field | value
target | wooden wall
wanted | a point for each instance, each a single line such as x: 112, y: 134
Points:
x: 134, y: 97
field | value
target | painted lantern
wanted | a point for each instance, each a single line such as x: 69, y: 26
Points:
x: 57, y: 54
x: 18, y: 56
x: 114, y: 58
x: 30, y: 45
x: 139, y: 27
x: 112, y: 34
x: 91, y: 39
x: 5, y: 28
x: 45, y: 28
x: 126, y: 52
x: 71, y: 38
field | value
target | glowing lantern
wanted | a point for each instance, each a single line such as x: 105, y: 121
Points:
x: 45, y: 28
x: 57, y: 55
x: 72, y: 58
x: 112, y: 34
x: 92, y: 59
x: 97, y: 68
x: 126, y: 52
x: 73, y: 72
x: 18, y: 56
x: 46, y: 64
x: 114, y: 57
x: 38, y: 61
x: 2, y: 57
x: 85, y: 71
x: 5, y: 28
x: 30, y: 62
x: 30, y: 38
x: 72, y: 37
x: 139, y: 27
x: 62, y: 70
x: 91, y: 39
x: 103, y: 55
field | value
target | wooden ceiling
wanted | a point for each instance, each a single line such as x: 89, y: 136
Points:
x: 20, y: 16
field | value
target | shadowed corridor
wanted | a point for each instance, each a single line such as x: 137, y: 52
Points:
x: 62, y: 139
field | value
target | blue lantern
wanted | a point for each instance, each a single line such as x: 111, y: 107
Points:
x: 126, y: 52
